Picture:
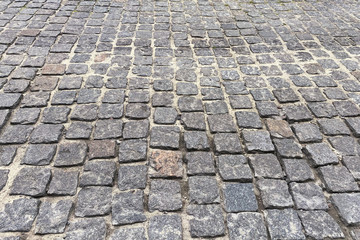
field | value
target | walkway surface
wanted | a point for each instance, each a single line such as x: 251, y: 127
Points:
x: 222, y: 119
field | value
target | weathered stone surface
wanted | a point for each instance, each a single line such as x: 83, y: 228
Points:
x: 206, y: 220
x: 308, y: 196
x: 221, y: 123
x: 132, y: 177
x: 7, y: 155
x: 353, y: 165
x: 284, y: 224
x: 165, y: 163
x: 101, y: 149
x: 200, y: 163
x: 16, y: 134
x: 132, y: 150
x: 3, y: 178
x: 320, y: 225
x: 128, y: 208
x: 165, y: 137
x: 63, y: 183
x: 321, y: 154
x: 297, y: 170
x: 108, y: 129
x: 128, y: 233
x: 234, y: 167
x: 31, y: 181
x: 165, y: 195
x: 70, y: 154
x: 246, y: 226
x: 288, y: 148
x: 26, y: 116
x: 98, y: 173
x: 257, y: 141
x: 266, y: 165
x: 274, y: 193
x: 239, y: 197
x: 279, y: 128
x: 338, y: 179
x: 203, y: 190
x: 307, y: 132
x: 348, y: 207
x: 19, y: 215
x: 39, y: 154
x: 46, y: 133
x: 136, y: 129
x: 93, y: 201
x: 86, y: 228
x: 196, y: 140
x: 165, y: 227
x: 347, y: 146
x: 53, y: 217
x: 227, y: 143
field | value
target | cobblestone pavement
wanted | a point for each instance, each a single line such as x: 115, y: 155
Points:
x: 226, y: 119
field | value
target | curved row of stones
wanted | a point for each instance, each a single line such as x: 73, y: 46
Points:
x: 179, y: 119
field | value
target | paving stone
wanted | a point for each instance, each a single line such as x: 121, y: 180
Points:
x: 248, y: 120
x: 239, y: 197
x: 165, y: 115
x: 39, y: 154
x: 246, y: 226
x: 266, y: 165
x: 63, y: 183
x: 35, y: 99
x: 338, y: 179
x: 288, y: 148
x: 333, y: 127
x: 114, y: 96
x: 101, y: 149
x: 16, y: 86
x: 70, y: 154
x: 31, y: 181
x: 297, y: 170
x: 132, y: 177
x: 346, y: 108
x: 137, y: 111
x: 132, y: 150
x: 165, y: 164
x: 98, y: 173
x: 297, y: 113
x: 347, y: 146
x: 286, y: 95
x: 262, y: 95
x: 15, y: 134
x: 267, y: 109
x: 165, y: 137
x: 84, y: 112
x: 322, y: 110
x: 136, y: 129
x: 199, y: 163
x: 4, y: 116
x: 128, y: 233
x: 44, y: 83
x: 347, y: 205
x: 221, y: 123
x: 203, y: 190
x: 86, y: 228
x: 284, y: 224
x: 108, y: 129
x: 240, y: 102
x: 165, y: 195
x: 195, y: 140
x: 206, y: 220
x: 274, y: 193
x: 279, y: 128
x: 321, y: 154
x: 165, y: 227
x: 308, y: 196
x: 327, y: 229
x: 234, y: 167
x: 79, y: 130
x: 257, y: 141
x: 352, y: 164
x: 53, y: 217
x: 187, y: 104
x: 3, y: 177
x: 93, y: 201
x: 55, y: 115
x: 68, y: 98
x: 354, y: 125
x: 227, y: 143
x: 193, y: 121
x: 19, y: 215
x: 7, y: 155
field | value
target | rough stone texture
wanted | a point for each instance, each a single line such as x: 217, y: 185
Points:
x: 338, y: 179
x: 288, y: 148
x: 165, y: 137
x: 53, y: 217
x: 132, y: 177
x: 321, y: 154
x: 279, y: 128
x: 200, y: 163
x: 70, y: 154
x: 246, y: 226
x: 63, y: 183
x: 353, y: 165
x: 320, y: 225
x: 99, y: 173
x: 128, y: 233
x: 258, y: 141
x: 297, y: 170
x: 16, y: 134
x: 19, y: 215
x: 348, y: 207
x: 39, y: 154
x: 87, y: 228
x: 227, y: 143
x: 274, y: 193
x: 31, y: 181
x: 284, y: 224
x: 206, y: 220
x: 101, y: 149
x: 132, y: 150
x: 165, y: 227
x: 165, y: 195
x: 239, y: 197
x: 7, y: 154
x: 234, y: 167
x: 128, y: 208
x: 266, y: 165
x: 93, y: 201
x: 308, y: 196
x: 165, y: 163
x: 203, y: 190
